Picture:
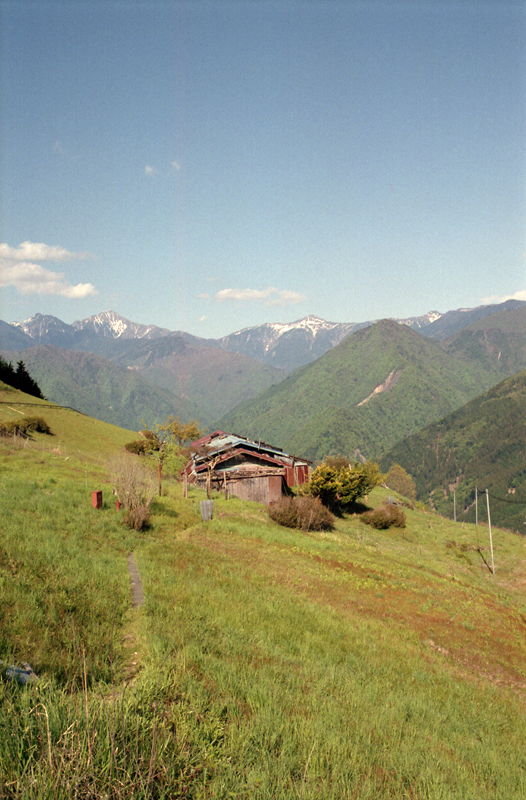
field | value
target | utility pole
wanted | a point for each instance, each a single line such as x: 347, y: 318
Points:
x: 490, y: 536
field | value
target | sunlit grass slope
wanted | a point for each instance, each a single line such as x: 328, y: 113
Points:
x: 73, y: 432
x: 265, y: 663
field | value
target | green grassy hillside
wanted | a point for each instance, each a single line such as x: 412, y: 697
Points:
x: 72, y: 431
x: 480, y: 445
x: 266, y: 663
x: 370, y: 391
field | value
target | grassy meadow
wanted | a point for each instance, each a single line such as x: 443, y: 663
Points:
x: 265, y: 662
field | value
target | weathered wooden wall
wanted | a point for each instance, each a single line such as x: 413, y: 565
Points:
x: 265, y: 489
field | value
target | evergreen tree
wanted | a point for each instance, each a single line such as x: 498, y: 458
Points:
x: 7, y: 373
x: 25, y: 382
x: 19, y: 378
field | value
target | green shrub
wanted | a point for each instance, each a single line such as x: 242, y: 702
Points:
x: 385, y: 516
x: 24, y: 426
x: 142, y: 447
x: 304, y: 513
x: 38, y: 424
x: 338, y: 485
x: 139, y: 447
x: 148, y: 434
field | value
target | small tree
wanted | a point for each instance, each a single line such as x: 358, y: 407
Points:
x: 401, y: 481
x: 340, y: 488
x: 145, y: 446
x: 176, y: 432
x: 171, y: 436
x: 324, y: 485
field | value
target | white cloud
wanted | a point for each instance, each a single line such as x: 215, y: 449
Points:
x: 150, y: 171
x: 37, y: 251
x: 520, y: 295
x: 203, y: 296
x: 17, y: 269
x: 203, y: 318
x: 270, y: 296
x: 33, y: 279
x: 176, y: 165
x: 287, y: 298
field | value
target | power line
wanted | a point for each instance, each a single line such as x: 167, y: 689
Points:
x: 501, y: 499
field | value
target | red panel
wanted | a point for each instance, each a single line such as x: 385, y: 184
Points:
x: 290, y: 476
x: 303, y: 474
x: 96, y: 499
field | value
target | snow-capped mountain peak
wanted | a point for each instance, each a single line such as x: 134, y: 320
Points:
x: 113, y: 325
x: 422, y: 321
x: 310, y: 323
x: 43, y: 326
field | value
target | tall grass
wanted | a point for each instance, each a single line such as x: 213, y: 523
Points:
x: 272, y: 663
x: 63, y: 578
x: 315, y: 700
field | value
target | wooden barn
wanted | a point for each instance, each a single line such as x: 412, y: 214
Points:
x: 243, y: 468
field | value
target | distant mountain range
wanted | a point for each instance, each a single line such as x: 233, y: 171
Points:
x: 282, y: 345
x: 444, y: 395
x: 207, y: 378
x: 46, y: 329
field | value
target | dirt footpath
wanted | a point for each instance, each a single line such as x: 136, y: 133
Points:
x: 135, y: 583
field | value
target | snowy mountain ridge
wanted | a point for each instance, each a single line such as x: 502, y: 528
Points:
x: 109, y: 323
x: 44, y: 327
x: 286, y: 345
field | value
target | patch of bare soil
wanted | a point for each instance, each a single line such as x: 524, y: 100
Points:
x: 391, y: 380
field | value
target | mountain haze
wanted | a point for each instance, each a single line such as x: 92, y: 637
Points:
x: 44, y: 327
x: 448, y: 324
x: 209, y: 378
x: 282, y: 345
x: 288, y: 346
x: 95, y: 386
x: 497, y: 342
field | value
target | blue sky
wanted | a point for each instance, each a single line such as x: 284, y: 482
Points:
x: 207, y: 166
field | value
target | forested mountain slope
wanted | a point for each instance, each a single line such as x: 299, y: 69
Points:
x: 368, y: 392
x: 99, y: 388
x: 496, y: 342
x: 482, y: 444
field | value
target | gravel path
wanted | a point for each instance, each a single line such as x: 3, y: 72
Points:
x: 135, y: 583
